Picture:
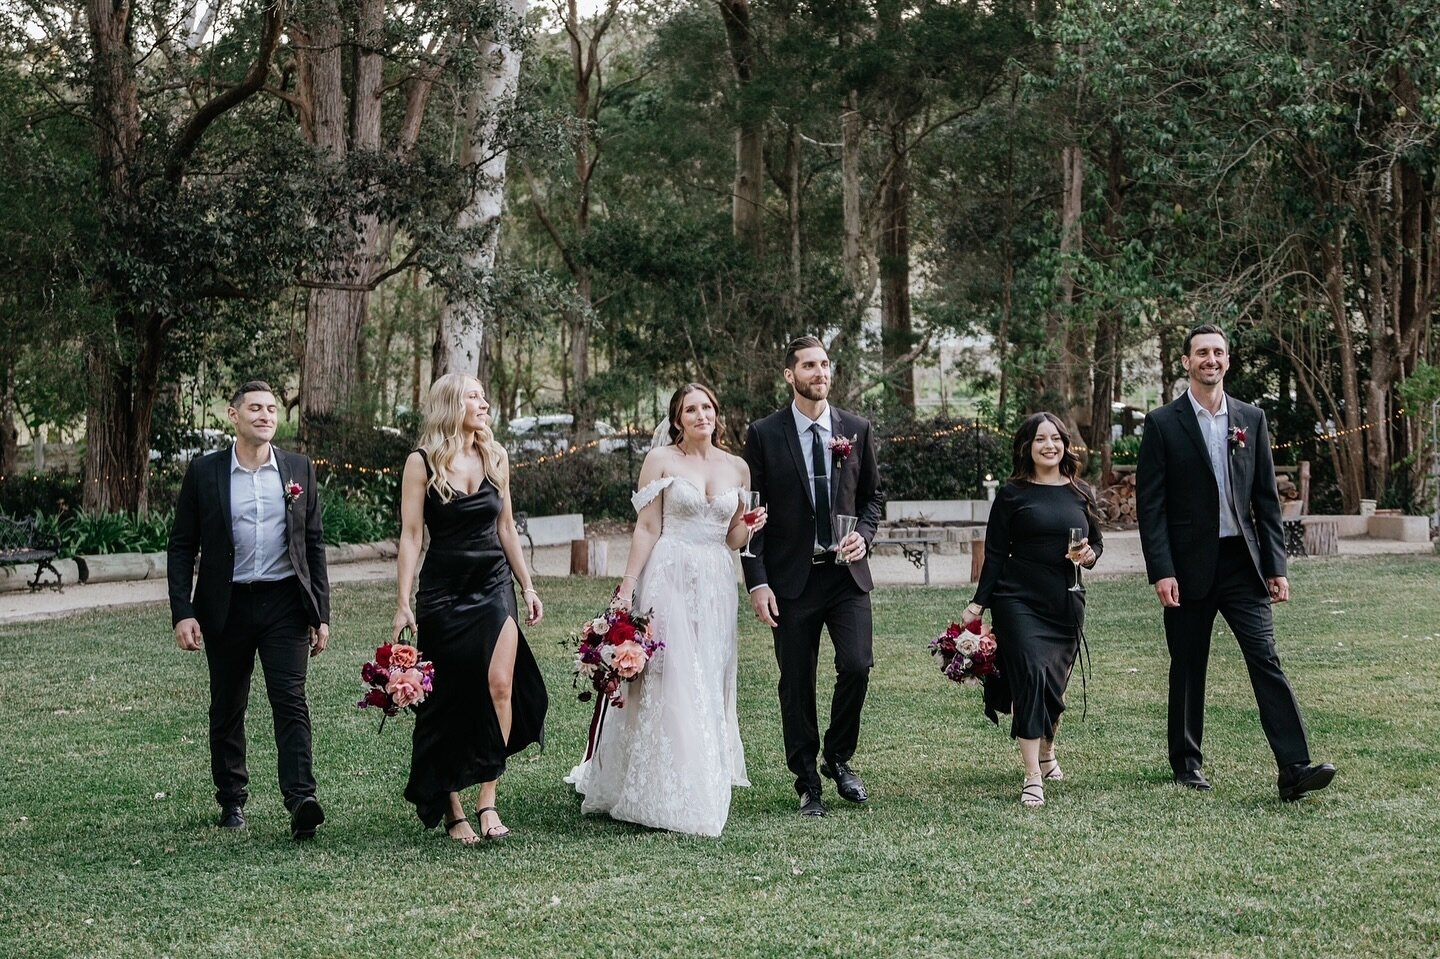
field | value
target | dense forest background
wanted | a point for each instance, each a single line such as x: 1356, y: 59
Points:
x: 984, y: 209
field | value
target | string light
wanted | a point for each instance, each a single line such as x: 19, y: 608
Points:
x: 1329, y: 436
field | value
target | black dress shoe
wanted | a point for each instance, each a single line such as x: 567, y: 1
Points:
x: 847, y: 783
x: 810, y: 804
x: 1193, y: 779
x: 231, y: 817
x: 305, y: 818
x: 1301, y: 778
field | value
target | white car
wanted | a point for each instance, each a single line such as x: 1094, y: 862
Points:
x: 551, y: 434
x: 197, y: 443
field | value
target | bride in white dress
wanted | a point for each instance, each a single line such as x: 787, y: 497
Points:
x: 669, y: 757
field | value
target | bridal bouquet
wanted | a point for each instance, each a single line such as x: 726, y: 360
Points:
x: 613, y: 648
x: 397, y: 678
x: 967, y: 653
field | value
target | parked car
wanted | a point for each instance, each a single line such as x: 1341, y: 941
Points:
x: 551, y: 434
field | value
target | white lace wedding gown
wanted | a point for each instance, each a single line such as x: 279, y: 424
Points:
x: 670, y: 756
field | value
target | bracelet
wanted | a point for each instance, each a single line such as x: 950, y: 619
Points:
x: 976, y: 608
x: 530, y: 589
x: 624, y: 578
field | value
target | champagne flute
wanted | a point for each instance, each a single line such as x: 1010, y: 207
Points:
x: 844, y: 526
x: 1077, y: 535
x: 751, y: 514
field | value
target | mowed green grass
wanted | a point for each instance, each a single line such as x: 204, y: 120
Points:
x: 110, y: 850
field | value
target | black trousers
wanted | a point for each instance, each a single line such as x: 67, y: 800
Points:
x: 833, y: 601
x: 268, y: 619
x: 1238, y: 594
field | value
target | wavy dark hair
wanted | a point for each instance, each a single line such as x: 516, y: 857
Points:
x: 678, y: 401
x: 1022, y: 466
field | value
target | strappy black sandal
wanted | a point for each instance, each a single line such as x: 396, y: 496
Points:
x: 490, y: 835
x: 1033, y: 793
x: 462, y: 840
x: 1054, y: 772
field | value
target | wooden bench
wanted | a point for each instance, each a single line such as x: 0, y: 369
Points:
x: 21, y: 543
x: 915, y: 548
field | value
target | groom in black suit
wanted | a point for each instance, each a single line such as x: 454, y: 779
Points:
x: 1210, y: 530
x: 252, y: 515
x: 811, y: 462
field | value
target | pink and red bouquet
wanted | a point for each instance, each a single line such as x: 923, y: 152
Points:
x: 397, y: 678
x: 967, y: 653
x: 613, y: 648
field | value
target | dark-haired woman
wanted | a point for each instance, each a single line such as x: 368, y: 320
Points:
x: 1026, y: 584
x: 670, y: 757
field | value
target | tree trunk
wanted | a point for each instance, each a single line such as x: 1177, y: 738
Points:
x: 1065, y: 339
x: 9, y: 433
x: 895, y: 325
x: 747, y: 202
x: 462, y: 316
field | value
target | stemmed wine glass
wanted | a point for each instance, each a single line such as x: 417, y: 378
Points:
x: 1077, y: 535
x: 751, y: 514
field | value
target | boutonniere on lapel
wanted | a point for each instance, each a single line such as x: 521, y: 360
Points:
x: 293, y: 491
x: 843, y: 446
x: 1237, y: 438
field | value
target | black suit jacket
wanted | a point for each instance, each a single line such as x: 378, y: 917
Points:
x: 777, y: 471
x: 203, y: 527
x: 1178, y: 500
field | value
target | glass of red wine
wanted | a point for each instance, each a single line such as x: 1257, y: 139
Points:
x: 751, y: 514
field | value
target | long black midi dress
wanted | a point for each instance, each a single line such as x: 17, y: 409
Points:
x: 1025, y: 584
x: 465, y: 597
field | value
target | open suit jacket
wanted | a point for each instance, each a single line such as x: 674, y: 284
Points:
x: 203, y: 526
x: 777, y: 470
x: 1178, y: 500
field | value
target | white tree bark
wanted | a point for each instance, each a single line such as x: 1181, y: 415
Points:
x: 462, y: 326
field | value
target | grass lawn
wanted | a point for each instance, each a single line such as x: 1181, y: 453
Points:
x: 107, y: 817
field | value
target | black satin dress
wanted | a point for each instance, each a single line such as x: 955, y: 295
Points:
x: 465, y: 597
x: 1026, y: 586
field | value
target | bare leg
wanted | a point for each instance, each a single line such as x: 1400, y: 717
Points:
x: 460, y: 831
x: 1033, y: 792
x: 502, y: 676
x: 1049, y: 765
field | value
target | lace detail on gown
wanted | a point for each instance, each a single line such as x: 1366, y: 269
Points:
x: 669, y: 757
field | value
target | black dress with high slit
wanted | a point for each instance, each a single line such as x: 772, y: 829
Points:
x: 1025, y: 584
x: 465, y: 597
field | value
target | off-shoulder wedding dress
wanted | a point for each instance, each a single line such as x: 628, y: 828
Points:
x: 669, y: 757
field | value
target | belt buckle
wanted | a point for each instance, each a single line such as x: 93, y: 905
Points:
x: 819, y: 559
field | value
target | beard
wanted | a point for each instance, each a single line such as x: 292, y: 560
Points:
x: 815, y: 392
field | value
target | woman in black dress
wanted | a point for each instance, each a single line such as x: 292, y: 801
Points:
x: 1025, y: 583
x: 489, y: 699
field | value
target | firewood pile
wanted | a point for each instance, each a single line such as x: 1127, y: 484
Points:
x: 1117, y: 501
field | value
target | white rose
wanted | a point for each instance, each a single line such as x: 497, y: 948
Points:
x: 967, y: 645
x: 600, y: 626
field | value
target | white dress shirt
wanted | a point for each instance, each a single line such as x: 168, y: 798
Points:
x: 802, y: 426
x: 1215, y: 428
x: 257, y: 522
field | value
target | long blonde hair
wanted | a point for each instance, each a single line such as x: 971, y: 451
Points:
x: 442, y: 438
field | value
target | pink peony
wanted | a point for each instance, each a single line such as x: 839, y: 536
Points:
x: 629, y: 660
x: 403, y: 656
x: 406, y: 688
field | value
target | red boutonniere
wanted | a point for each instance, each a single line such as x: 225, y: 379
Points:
x: 293, y: 491
x: 1237, y: 438
x: 843, y: 446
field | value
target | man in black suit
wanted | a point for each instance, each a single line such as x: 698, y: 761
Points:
x: 811, y: 462
x: 1210, y: 530
x: 252, y: 515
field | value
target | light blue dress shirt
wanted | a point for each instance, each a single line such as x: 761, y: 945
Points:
x: 1215, y: 428
x: 257, y: 522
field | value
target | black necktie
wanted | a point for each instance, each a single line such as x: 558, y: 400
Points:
x: 823, y: 534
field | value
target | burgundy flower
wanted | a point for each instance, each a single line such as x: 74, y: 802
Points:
x: 293, y: 491
x: 382, y: 656
x: 843, y: 446
x: 1237, y: 438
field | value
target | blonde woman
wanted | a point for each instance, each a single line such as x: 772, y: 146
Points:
x: 489, y: 699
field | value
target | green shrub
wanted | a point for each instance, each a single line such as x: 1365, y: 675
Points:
x: 593, y: 483
x: 25, y: 494
x: 362, y: 509
x: 83, y: 533
x: 1125, y: 451
x: 941, y: 458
